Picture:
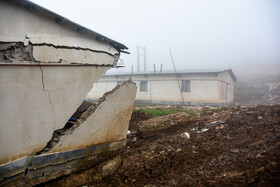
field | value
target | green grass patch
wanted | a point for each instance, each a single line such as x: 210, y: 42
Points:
x: 155, y: 112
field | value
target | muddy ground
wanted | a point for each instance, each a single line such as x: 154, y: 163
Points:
x: 229, y: 146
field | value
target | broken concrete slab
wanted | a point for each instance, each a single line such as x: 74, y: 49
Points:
x: 107, y: 121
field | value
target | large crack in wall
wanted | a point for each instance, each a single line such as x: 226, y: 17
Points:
x: 49, y: 94
x: 10, y: 51
x: 71, y: 125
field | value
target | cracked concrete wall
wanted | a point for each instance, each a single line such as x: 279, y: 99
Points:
x: 108, y: 122
x: 33, y: 104
x: 46, y: 70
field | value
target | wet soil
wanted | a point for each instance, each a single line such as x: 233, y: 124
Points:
x: 235, y: 146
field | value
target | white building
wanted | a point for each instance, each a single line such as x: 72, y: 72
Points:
x: 188, y: 87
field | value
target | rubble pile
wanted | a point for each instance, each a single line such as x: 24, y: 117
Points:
x: 225, y: 146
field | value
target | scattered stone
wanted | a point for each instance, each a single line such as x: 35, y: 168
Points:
x: 234, y: 150
x: 172, y: 141
x: 185, y: 135
x: 260, y: 117
x: 251, y: 112
x: 220, y: 127
x: 178, y: 150
x: 204, y: 130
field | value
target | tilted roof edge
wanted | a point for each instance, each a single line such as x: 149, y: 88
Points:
x: 33, y: 6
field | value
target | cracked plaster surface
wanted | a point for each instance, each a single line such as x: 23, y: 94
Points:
x: 31, y: 96
x: 49, y: 94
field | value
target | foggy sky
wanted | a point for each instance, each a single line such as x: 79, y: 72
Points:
x: 202, y: 34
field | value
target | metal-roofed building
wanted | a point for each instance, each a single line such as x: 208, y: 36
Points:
x: 184, y: 87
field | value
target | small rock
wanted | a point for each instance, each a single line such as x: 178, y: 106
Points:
x: 129, y: 134
x: 251, y: 112
x: 234, y: 150
x: 260, y: 117
x: 220, y: 127
x: 185, y: 135
x: 172, y: 141
x: 178, y: 150
x: 204, y: 130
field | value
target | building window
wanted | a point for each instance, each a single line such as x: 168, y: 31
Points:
x: 119, y: 82
x: 143, y: 86
x: 186, y: 86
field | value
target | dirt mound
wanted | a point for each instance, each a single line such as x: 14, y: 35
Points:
x: 163, y: 122
x: 229, y: 146
x: 235, y: 146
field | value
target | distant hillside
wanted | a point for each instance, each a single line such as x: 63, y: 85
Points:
x: 265, y: 90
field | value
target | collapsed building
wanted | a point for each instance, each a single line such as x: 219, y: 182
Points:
x: 48, y: 64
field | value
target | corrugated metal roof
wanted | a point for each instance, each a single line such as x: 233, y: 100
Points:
x: 190, y: 71
x: 60, y: 19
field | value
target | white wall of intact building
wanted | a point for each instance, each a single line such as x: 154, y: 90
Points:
x: 205, y: 87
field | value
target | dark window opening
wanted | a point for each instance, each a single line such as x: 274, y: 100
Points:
x: 143, y: 86
x: 186, y: 86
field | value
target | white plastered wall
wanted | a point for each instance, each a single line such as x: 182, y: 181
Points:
x: 35, y: 102
x: 205, y: 87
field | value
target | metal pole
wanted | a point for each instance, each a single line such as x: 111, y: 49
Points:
x: 145, y: 59
x: 154, y: 68
x: 138, y: 58
x: 176, y: 76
